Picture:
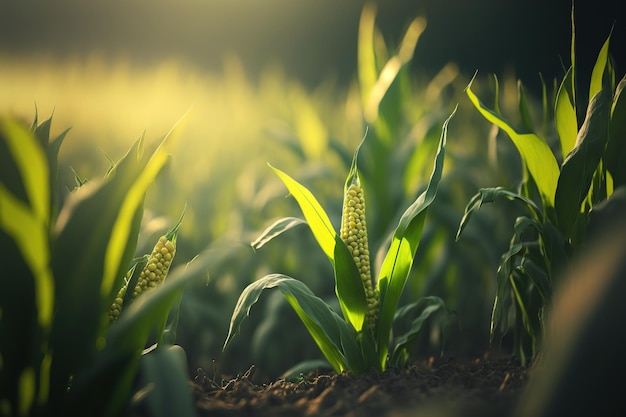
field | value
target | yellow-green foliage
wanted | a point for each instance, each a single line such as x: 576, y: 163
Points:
x: 354, y: 234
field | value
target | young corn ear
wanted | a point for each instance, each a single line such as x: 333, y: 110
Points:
x: 118, y: 304
x: 157, y: 267
x: 354, y: 235
x: 159, y: 261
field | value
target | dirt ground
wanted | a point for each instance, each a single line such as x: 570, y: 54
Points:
x: 447, y: 387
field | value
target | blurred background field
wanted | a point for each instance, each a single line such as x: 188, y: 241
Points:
x: 277, y: 82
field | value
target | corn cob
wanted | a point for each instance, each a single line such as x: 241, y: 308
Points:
x: 158, y: 265
x: 116, y: 307
x: 354, y: 235
x: 118, y: 303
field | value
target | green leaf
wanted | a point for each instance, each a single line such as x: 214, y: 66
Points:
x: 27, y: 222
x: 615, y: 153
x: 27, y: 287
x: 314, y: 214
x: 524, y: 110
x: 490, y: 195
x: 349, y: 286
x: 367, y: 69
x: 90, y: 258
x: 599, y: 70
x: 118, y: 362
x: 397, y: 263
x: 164, y: 378
x: 535, y: 152
x: 328, y: 330
x: 580, y: 164
x: 565, y: 115
x: 275, y: 229
x: 410, y: 319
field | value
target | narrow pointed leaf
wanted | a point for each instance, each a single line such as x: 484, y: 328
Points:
x: 490, y: 195
x: 91, y: 257
x: 599, y: 72
x: 349, y: 286
x: 565, y: 115
x: 410, y: 320
x: 581, y: 163
x: 325, y: 326
x: 316, y: 217
x: 275, y: 229
x: 535, y: 152
x: 615, y: 154
x: 397, y: 263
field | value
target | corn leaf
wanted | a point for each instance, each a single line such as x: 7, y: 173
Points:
x: 328, y: 330
x: 275, y: 229
x: 316, y: 217
x: 106, y: 384
x: 27, y: 287
x: 91, y: 257
x: 398, y: 261
x: 615, y: 154
x: 408, y: 323
x: 164, y: 376
x: 535, y: 153
x: 42, y: 132
x: 599, y: 72
x: 580, y: 164
x: 27, y: 222
x: 524, y: 109
x: 490, y: 195
x: 367, y: 69
x: 565, y: 115
x: 349, y: 286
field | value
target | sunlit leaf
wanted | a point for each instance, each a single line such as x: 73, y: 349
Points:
x: 397, y: 263
x: 275, y: 229
x: 91, y: 257
x: 117, y: 363
x: 349, y: 286
x: 565, y: 115
x: 599, y: 70
x: 581, y: 163
x: 366, y: 52
x: 327, y: 329
x: 615, y: 154
x: 535, y: 153
x: 316, y: 217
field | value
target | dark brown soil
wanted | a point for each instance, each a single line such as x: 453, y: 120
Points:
x: 480, y: 387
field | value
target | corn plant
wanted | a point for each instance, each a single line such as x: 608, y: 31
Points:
x: 64, y: 265
x: 361, y: 337
x: 559, y: 192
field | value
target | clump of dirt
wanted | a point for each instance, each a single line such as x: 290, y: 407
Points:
x: 447, y: 387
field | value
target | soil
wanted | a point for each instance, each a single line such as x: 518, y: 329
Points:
x: 447, y: 387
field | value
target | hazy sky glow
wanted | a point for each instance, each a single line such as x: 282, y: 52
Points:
x: 310, y: 38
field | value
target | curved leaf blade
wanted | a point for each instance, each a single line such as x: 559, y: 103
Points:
x: 535, y: 153
x: 275, y: 229
x: 565, y: 115
x: 316, y: 217
x: 578, y: 168
x: 398, y: 261
x: 327, y: 329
